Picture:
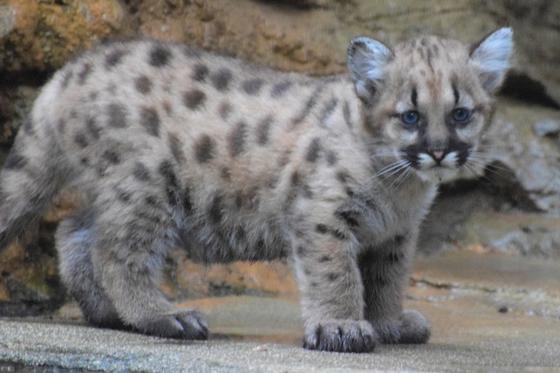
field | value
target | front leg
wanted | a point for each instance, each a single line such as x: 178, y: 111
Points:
x: 384, y: 270
x: 331, y: 290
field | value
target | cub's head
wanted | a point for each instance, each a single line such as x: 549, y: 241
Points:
x: 429, y: 101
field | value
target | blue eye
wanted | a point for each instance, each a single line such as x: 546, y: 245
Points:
x: 410, y: 118
x: 461, y: 115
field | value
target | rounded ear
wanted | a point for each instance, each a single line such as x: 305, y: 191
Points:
x: 491, y: 58
x: 366, y: 61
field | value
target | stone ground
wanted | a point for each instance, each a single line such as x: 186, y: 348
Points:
x: 489, y: 312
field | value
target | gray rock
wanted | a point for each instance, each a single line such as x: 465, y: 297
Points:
x: 547, y: 127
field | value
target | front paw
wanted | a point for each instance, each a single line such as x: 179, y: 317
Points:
x: 182, y: 325
x: 415, y: 328
x: 410, y: 328
x: 340, y: 336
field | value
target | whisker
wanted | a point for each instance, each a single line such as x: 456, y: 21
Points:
x: 390, y: 167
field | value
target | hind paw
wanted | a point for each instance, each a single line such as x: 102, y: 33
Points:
x: 180, y: 325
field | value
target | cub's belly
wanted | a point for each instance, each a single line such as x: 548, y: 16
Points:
x: 211, y: 243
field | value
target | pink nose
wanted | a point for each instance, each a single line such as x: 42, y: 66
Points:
x: 438, y: 155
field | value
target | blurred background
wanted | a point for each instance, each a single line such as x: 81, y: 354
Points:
x: 493, y: 241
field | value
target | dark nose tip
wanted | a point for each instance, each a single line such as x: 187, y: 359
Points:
x: 437, y: 155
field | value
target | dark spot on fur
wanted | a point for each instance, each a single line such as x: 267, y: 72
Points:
x: 455, y: 93
x: 338, y: 234
x: 112, y: 156
x: 321, y: 228
x: 324, y: 259
x: 14, y: 161
x: 252, y: 86
x: 117, y: 115
x: 141, y: 172
x: 239, y: 199
x: 393, y: 257
x: 414, y: 97
x: 263, y: 130
x: 306, y: 191
x: 284, y: 158
x: 81, y: 139
x: 143, y: 84
x: 167, y: 108
x: 307, y: 107
x: 204, y: 149
x: 295, y: 179
x: 342, y: 176
x: 236, y: 139
x: 221, y: 79
x: 313, y: 151
x: 327, y: 110
x: 216, y: 209
x: 171, y: 182
x: 225, y: 174
x: 279, y: 89
x: 123, y: 196
x: 332, y: 158
x: 93, y: 129
x: 349, y: 217
x: 224, y: 110
x: 200, y: 72
x: 301, y: 251
x: 151, y: 200
x: 159, y: 55
x: 332, y: 276
x: 84, y: 73
x: 347, y: 114
x: 114, y: 57
x: 187, y: 201
x: 149, y: 119
x: 273, y: 181
x: 380, y: 280
x: 176, y: 147
x: 193, y: 99
x: 61, y: 126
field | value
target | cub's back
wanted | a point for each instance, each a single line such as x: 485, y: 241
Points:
x: 137, y: 99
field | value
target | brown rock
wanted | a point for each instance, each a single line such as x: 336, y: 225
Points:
x: 44, y: 35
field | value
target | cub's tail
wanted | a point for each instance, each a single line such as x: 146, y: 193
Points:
x: 30, y: 177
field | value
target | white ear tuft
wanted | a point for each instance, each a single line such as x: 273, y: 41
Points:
x: 491, y: 58
x: 366, y: 61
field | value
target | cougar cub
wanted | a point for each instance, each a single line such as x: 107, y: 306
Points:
x: 176, y: 146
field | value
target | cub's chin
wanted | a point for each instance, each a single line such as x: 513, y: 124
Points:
x: 438, y: 175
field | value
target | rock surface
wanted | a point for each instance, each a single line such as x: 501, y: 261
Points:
x: 492, y: 317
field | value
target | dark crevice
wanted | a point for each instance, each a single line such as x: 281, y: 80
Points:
x: 294, y: 4
x: 33, y: 78
x: 521, y: 87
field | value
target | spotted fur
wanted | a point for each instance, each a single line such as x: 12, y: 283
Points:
x: 174, y: 146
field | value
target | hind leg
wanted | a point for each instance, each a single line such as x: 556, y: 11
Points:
x: 133, y: 240
x: 74, y: 242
